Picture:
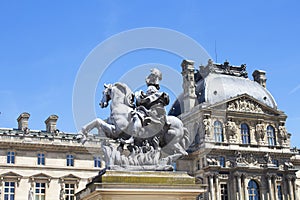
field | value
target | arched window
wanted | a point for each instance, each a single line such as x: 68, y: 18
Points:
x: 245, y: 134
x: 218, y: 130
x: 253, y: 190
x: 271, y: 136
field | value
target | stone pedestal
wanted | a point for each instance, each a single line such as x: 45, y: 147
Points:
x: 141, y: 185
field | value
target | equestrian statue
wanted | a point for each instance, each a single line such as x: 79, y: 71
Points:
x: 141, y: 135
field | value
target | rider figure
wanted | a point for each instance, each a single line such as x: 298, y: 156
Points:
x: 150, y: 106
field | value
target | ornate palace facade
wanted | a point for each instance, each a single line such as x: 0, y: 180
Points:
x: 45, y: 164
x: 240, y: 150
x: 241, y: 147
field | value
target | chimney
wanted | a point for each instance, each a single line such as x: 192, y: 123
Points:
x: 23, y: 121
x: 259, y: 76
x: 51, y: 123
x: 188, y: 76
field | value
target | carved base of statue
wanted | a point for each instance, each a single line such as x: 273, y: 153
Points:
x: 232, y: 140
x: 146, y: 185
x: 261, y: 142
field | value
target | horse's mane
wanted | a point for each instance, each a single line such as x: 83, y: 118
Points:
x: 129, y: 96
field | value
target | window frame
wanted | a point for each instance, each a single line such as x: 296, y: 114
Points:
x: 70, y: 160
x: 68, y: 191
x: 218, y: 131
x: 245, y: 133
x: 41, y: 159
x: 253, y: 190
x: 40, y: 194
x: 224, y: 191
x: 11, y: 157
x: 271, y: 135
x: 279, y: 192
x: 97, y: 162
x: 9, y: 194
x: 222, y: 161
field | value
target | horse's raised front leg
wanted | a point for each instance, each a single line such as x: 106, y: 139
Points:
x: 108, y: 129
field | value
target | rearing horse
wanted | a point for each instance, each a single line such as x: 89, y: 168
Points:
x: 124, y: 122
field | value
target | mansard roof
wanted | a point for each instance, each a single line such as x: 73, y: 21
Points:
x: 220, y: 82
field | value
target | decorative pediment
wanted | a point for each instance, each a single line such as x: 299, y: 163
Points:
x: 41, y: 177
x: 247, y: 104
x: 70, y: 178
x: 244, y: 104
x: 11, y: 176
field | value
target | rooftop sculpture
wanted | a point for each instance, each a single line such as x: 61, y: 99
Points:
x: 141, y: 136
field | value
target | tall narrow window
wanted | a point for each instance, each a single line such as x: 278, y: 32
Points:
x: 9, y: 190
x: 245, y: 134
x: 41, y: 159
x: 69, y: 191
x: 70, y: 160
x: 40, y: 191
x: 271, y: 136
x: 198, y: 165
x: 279, y: 192
x: 222, y: 161
x: 224, y: 192
x: 97, y: 161
x: 253, y: 190
x: 218, y: 131
x: 10, y: 157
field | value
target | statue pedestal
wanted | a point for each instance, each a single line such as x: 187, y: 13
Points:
x: 145, y: 185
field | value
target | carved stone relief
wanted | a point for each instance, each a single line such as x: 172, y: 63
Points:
x: 207, y: 126
x: 244, y: 105
x: 231, y: 131
x: 260, y: 131
x: 283, y: 133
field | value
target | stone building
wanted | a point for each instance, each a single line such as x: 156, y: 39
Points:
x: 45, y: 164
x: 240, y: 150
x: 241, y: 147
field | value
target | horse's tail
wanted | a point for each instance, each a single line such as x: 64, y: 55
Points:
x: 185, y: 142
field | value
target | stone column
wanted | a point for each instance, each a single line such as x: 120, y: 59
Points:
x: 211, y: 187
x: 275, y: 187
x: 290, y: 186
x: 239, y: 183
x: 217, y: 187
x: 295, y: 189
x: 284, y: 189
x: 270, y: 187
x: 232, y: 186
x: 246, y: 188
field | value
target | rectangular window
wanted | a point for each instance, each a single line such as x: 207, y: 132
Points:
x: 40, y: 191
x: 69, y: 191
x: 97, y: 161
x: 9, y: 190
x: 10, y: 157
x: 224, y: 192
x: 222, y: 161
x: 279, y: 192
x: 41, y: 159
x: 70, y: 160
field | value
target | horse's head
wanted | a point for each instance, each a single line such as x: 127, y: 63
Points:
x: 106, y: 95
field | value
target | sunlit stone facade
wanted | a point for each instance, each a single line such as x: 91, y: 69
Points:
x: 241, y: 147
x: 45, y: 164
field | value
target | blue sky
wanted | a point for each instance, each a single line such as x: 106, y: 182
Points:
x: 44, y: 43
